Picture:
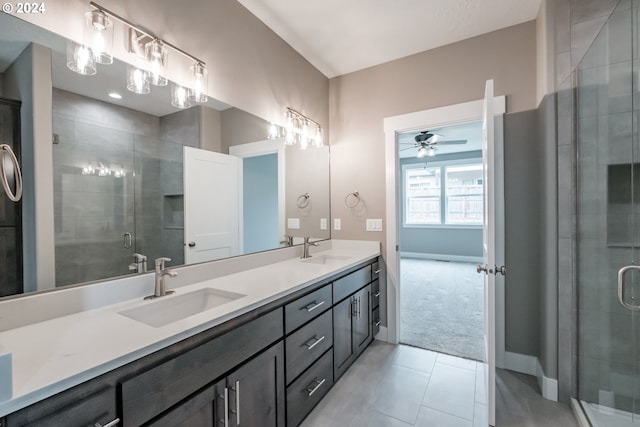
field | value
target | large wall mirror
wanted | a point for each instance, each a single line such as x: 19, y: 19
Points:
x: 134, y: 175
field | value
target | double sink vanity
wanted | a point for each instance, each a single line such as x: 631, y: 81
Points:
x: 258, y: 342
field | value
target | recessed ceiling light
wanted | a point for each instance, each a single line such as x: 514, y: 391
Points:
x: 115, y: 95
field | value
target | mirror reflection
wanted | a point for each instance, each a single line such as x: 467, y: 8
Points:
x: 136, y: 178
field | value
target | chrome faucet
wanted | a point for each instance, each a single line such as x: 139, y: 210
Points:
x: 161, y: 271
x: 288, y: 240
x: 305, y: 247
x: 139, y: 264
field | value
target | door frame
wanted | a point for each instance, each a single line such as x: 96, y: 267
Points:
x: 261, y: 148
x: 436, y: 118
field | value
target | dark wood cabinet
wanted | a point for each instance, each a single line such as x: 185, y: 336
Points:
x: 252, y: 395
x: 352, y: 329
x: 96, y: 409
x: 246, y: 372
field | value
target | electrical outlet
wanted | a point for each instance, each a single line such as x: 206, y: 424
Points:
x: 323, y: 223
x: 293, y: 223
x: 337, y: 224
x: 374, y: 224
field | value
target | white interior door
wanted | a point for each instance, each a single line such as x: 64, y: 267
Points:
x: 212, y: 195
x: 488, y: 235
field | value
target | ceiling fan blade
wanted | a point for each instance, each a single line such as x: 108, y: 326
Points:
x: 452, y: 142
x: 408, y: 148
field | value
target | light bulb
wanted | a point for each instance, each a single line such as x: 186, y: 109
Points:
x: 180, y: 97
x: 431, y: 152
x: 273, y: 131
x: 80, y: 59
x: 421, y: 152
x: 317, y: 140
x: 290, y: 140
x: 198, y: 92
x: 98, y: 35
x: 156, y: 54
x: 138, y: 80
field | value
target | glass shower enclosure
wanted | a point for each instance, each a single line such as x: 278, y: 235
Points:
x: 608, y: 222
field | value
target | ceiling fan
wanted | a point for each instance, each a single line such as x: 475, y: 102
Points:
x: 426, y: 140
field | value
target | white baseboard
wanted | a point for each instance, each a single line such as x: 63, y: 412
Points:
x: 383, y: 334
x: 548, y: 386
x: 522, y: 363
x: 441, y: 257
x: 530, y: 365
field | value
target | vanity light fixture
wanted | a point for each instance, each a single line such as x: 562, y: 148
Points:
x: 80, y: 59
x: 180, y: 96
x: 156, y: 55
x: 138, y: 80
x: 97, y: 44
x: 199, y: 87
x: 98, y: 36
x: 302, y: 130
x: 274, y: 131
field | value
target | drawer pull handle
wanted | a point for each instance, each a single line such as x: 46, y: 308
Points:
x: 225, y: 396
x: 377, y: 323
x: 377, y: 271
x: 312, y: 306
x: 377, y: 294
x: 313, y: 389
x: 237, y: 402
x: 314, y: 342
x: 110, y: 424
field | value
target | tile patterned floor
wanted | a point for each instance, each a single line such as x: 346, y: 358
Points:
x: 392, y: 385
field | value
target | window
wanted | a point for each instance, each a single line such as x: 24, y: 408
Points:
x: 464, y: 194
x: 423, y: 196
x: 445, y: 194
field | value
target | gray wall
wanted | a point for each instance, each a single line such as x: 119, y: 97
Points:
x: 522, y: 199
x: 459, y: 242
x: 28, y: 79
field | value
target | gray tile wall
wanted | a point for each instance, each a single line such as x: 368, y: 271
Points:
x: 92, y: 213
x: 577, y: 23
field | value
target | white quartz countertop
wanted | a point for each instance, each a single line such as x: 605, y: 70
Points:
x: 52, y: 356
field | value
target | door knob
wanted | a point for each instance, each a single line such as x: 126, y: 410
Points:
x: 481, y: 267
x: 192, y: 244
x: 502, y: 270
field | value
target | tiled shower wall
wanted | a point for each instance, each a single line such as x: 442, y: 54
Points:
x: 576, y: 25
x: 92, y: 213
x: 605, y: 142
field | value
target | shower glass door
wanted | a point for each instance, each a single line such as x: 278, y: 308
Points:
x: 608, y: 222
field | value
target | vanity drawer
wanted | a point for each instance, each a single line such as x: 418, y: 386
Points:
x: 306, y: 308
x: 309, y: 389
x: 375, y: 270
x: 350, y: 283
x: 152, y: 392
x: 375, y: 321
x: 99, y: 407
x: 375, y: 293
x: 307, y: 344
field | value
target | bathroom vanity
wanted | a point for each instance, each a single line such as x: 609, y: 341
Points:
x: 264, y: 357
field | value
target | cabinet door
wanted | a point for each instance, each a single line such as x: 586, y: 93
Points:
x: 362, y: 319
x: 256, y: 391
x: 204, y: 409
x: 343, y: 350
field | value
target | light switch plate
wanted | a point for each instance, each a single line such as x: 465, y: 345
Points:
x: 374, y: 224
x: 323, y: 223
x: 293, y: 223
x: 337, y: 224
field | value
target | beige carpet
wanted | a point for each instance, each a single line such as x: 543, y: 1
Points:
x: 441, y: 307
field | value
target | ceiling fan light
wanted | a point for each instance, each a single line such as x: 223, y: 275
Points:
x: 421, y: 152
x: 430, y: 152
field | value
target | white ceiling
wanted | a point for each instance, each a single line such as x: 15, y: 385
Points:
x: 342, y: 36
x: 471, y: 132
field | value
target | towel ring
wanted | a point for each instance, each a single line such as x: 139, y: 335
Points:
x: 352, y: 200
x: 303, y: 200
x: 17, y: 174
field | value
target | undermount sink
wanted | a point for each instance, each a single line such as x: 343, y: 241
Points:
x: 172, y: 308
x: 324, y: 259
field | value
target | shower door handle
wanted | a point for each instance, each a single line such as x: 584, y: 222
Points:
x: 621, y: 284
